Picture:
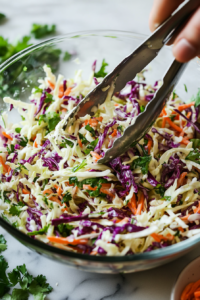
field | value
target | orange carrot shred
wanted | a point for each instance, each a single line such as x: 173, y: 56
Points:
x: 114, y: 133
x: 24, y: 191
x: 140, y: 204
x: 181, y: 178
x: 149, y: 145
x: 52, y: 85
x: 7, y: 135
x: 68, y: 91
x: 185, y: 106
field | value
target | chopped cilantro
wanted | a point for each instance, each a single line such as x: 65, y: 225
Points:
x: 37, y: 90
x: 120, y: 128
x: 40, y: 31
x: 15, y: 210
x: 11, y: 149
x: 51, y: 118
x: 196, y: 98
x: 142, y: 108
x: 194, y: 156
x: 173, y: 95
x: 67, y: 56
x: 67, y: 142
x: 39, y: 232
x: 167, y: 198
x: 23, y: 119
x: 18, y: 129
x: 91, y: 146
x: 101, y: 72
x: 23, y: 141
x: 142, y: 162
x: 185, y: 86
x: 195, y: 143
x: 90, y: 129
x: 82, y: 165
x: 160, y: 190
x: 66, y: 198
x: 82, y: 138
x: 65, y: 229
x: 49, y: 98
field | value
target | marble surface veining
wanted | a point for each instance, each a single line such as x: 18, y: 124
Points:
x: 72, y: 284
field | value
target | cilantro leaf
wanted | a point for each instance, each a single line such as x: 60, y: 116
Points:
x: 17, y: 294
x: 39, y: 232
x: 196, y: 99
x: 82, y: 138
x: 67, y: 142
x: 65, y: 229
x: 49, y: 98
x: 67, y: 56
x: 142, y: 162
x: 37, y: 90
x: 11, y: 149
x: 66, y: 198
x: 194, y: 156
x: 142, y: 108
x: 23, y: 141
x: 101, y: 72
x: 3, y: 245
x: 90, y: 129
x: 82, y: 165
x: 18, y: 129
x: 120, y: 128
x: 160, y: 190
x: 15, y: 210
x: 51, y: 118
x: 40, y: 31
x: 4, y: 282
x: 91, y: 146
x: 195, y: 143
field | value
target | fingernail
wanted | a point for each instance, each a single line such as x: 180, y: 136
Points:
x: 156, y: 25
x: 184, y: 50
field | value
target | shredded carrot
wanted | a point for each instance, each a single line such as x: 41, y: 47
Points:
x: 24, y: 191
x: 56, y: 186
x: 133, y: 205
x: 95, y: 155
x: 52, y: 85
x: 100, y: 119
x: 7, y: 135
x: 181, y: 179
x: 123, y: 221
x: 140, y: 204
x: 182, y: 133
x: 107, y: 192
x: 93, y: 252
x: 47, y: 192
x: 159, y: 237
x: 61, y: 91
x: 79, y: 142
x: 68, y: 91
x: 35, y: 144
x: 197, y: 209
x: 181, y: 229
x: 59, y: 191
x: 188, y: 114
x: 185, y: 106
x: 55, y: 199
x: 5, y: 167
x: 89, y: 187
x: 191, y: 291
x: 174, y: 126
x: 185, y: 217
x: 185, y: 141
x: 149, y: 145
x: 67, y: 240
x: 114, y: 133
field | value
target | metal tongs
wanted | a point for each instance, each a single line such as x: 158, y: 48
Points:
x: 126, y: 71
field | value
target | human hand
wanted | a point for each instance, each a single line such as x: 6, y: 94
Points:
x: 187, y: 42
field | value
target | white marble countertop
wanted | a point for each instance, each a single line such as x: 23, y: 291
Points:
x: 71, y: 16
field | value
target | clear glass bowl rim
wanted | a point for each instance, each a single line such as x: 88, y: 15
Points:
x: 146, y: 256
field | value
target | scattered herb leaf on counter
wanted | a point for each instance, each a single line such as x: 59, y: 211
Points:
x: 37, y: 286
x: 40, y: 31
x: 2, y: 17
x: 3, y: 245
x: 67, y: 56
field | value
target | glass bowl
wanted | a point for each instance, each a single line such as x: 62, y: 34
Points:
x: 20, y: 73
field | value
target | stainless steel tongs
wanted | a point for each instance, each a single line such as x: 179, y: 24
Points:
x: 126, y: 71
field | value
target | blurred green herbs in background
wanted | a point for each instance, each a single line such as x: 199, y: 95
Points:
x: 20, y: 76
